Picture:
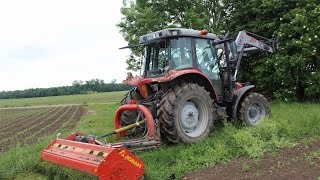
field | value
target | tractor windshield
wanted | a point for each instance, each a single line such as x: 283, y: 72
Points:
x: 167, y: 54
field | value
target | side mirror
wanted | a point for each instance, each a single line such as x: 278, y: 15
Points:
x: 233, y: 48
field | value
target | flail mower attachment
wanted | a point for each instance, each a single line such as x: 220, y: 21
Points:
x: 107, y: 161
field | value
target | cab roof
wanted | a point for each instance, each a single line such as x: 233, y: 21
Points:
x: 175, y: 32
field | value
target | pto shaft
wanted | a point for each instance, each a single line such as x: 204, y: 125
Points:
x: 123, y: 129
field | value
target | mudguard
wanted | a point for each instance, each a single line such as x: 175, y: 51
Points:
x: 236, y: 99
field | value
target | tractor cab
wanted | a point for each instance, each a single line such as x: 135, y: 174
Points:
x: 180, y: 49
x: 218, y: 59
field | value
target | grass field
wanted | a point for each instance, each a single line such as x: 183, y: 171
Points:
x: 70, y: 99
x: 289, y: 124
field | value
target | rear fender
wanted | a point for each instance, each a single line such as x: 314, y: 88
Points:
x: 237, y: 97
x: 173, y: 75
x: 199, y: 79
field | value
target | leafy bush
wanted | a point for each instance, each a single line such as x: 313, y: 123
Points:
x: 293, y: 72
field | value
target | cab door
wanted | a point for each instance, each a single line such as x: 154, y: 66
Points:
x: 207, y: 62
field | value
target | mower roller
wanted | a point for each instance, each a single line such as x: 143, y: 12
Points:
x: 105, y: 160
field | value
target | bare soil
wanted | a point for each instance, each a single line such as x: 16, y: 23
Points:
x: 16, y: 115
x: 299, y: 162
x: 24, y: 123
x: 30, y: 129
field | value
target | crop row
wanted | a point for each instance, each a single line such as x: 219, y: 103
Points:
x: 28, y: 124
x: 37, y: 125
x: 10, y: 115
x: 21, y: 122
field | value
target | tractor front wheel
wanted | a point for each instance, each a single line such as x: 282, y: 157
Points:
x: 253, y: 108
x: 186, y: 114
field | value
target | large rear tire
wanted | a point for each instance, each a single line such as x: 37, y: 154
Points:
x: 186, y: 114
x: 253, y: 108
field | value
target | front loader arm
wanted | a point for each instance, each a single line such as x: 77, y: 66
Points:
x: 247, y: 41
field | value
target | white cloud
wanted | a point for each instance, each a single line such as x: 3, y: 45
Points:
x: 51, y: 43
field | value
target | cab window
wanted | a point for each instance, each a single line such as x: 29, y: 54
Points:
x: 180, y: 53
x: 207, y: 58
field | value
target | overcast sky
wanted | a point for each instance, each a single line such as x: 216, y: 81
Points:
x: 52, y: 43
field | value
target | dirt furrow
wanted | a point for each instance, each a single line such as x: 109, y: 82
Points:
x: 75, y: 118
x: 53, y: 126
x: 19, y: 137
x: 46, y: 124
x: 32, y: 127
x: 9, y: 113
x: 23, y: 118
x: 8, y: 116
x: 25, y: 123
x: 299, y: 162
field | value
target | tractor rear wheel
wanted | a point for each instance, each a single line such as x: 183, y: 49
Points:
x: 186, y: 114
x: 253, y: 108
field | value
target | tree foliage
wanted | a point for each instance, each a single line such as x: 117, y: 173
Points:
x: 292, y: 73
x: 78, y: 87
x: 144, y: 16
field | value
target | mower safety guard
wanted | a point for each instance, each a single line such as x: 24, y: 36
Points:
x: 101, y: 161
x: 107, y: 161
x: 133, y: 107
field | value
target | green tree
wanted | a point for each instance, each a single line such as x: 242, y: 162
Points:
x: 142, y: 16
x: 293, y: 72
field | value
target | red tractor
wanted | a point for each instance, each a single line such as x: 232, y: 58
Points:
x: 189, y: 76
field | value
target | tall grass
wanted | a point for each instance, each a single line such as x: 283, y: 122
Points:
x: 289, y: 124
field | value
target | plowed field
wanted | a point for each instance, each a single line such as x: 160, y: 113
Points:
x: 27, y: 125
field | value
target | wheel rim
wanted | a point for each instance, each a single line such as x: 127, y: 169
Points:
x: 255, y: 112
x: 193, y: 117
